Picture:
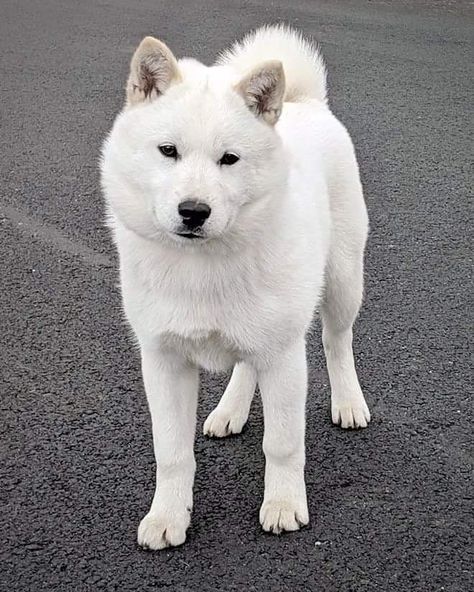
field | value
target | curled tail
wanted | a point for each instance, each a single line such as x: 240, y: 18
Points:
x: 305, y: 73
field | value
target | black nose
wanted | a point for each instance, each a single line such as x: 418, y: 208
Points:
x: 193, y: 213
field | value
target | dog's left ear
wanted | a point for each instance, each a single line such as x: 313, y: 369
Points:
x: 263, y: 89
x: 152, y: 71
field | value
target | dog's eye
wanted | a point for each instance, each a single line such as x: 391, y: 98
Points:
x: 168, y: 150
x: 228, y: 158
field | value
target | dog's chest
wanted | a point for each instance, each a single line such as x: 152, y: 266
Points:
x: 208, y: 333
x: 216, y: 311
x: 212, y: 321
x: 212, y: 350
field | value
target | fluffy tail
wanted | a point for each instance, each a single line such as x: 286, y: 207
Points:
x: 304, y: 68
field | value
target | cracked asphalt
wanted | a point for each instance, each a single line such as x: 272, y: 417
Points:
x: 391, y: 506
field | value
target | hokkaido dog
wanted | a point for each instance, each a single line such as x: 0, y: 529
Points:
x: 234, y: 199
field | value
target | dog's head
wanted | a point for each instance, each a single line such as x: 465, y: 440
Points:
x: 194, y: 152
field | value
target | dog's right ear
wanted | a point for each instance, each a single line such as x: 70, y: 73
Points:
x: 152, y: 71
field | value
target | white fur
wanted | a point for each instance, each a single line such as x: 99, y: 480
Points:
x: 287, y: 232
x: 304, y: 68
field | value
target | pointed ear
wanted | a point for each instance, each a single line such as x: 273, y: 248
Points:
x: 263, y: 89
x: 152, y: 70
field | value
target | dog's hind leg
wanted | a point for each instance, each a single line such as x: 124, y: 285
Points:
x: 343, y: 296
x: 231, y: 413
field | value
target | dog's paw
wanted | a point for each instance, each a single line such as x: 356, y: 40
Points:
x: 351, y: 413
x: 158, y: 531
x: 279, y: 515
x: 221, y: 423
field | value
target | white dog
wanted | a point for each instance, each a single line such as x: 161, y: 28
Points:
x: 236, y: 207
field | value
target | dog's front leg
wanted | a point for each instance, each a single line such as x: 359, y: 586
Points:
x: 283, y: 388
x: 171, y: 386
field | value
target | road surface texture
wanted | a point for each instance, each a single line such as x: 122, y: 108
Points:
x: 389, y: 505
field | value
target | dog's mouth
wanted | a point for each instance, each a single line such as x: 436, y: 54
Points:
x: 190, y: 235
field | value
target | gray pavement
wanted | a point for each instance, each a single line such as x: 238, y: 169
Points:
x: 390, y: 506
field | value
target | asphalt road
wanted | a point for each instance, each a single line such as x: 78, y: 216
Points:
x: 390, y: 507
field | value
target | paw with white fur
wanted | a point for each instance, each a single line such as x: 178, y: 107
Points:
x: 350, y: 413
x: 279, y: 515
x: 222, y: 422
x: 161, y: 530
